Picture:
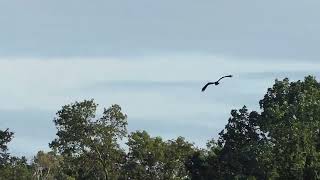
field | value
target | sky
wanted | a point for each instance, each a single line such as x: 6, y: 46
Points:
x: 150, y: 57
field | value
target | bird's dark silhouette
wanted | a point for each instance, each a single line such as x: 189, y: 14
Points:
x: 215, y: 83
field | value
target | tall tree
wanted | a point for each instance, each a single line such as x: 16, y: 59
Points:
x: 238, y: 154
x: 82, y: 138
x: 242, y: 144
x: 291, y: 119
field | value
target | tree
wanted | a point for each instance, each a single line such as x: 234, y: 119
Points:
x: 243, y: 144
x: 11, y: 167
x: 16, y: 168
x: 291, y: 119
x: 5, y: 137
x: 152, y: 158
x: 281, y: 142
x: 84, y: 140
x: 47, y: 166
x: 145, y: 158
x: 236, y: 155
x: 204, y: 164
x: 176, y: 153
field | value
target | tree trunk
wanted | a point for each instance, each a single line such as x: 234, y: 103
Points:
x: 106, y: 173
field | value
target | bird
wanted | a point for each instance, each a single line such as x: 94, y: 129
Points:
x: 215, y: 83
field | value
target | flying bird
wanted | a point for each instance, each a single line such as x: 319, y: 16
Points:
x: 215, y: 83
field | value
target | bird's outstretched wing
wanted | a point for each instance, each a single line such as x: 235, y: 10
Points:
x: 225, y: 77
x: 205, y: 87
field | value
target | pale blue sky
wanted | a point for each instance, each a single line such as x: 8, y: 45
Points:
x: 151, y: 57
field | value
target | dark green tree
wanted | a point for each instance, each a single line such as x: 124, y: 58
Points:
x: 291, y: 119
x: 243, y: 146
x: 204, y: 164
x: 238, y: 154
x: 281, y: 142
x: 5, y: 137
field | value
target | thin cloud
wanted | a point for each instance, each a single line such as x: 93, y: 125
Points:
x: 157, y: 89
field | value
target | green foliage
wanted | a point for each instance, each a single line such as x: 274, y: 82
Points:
x: 176, y: 154
x: 204, y: 165
x: 242, y: 143
x: 235, y: 155
x: 16, y: 168
x: 90, y: 144
x: 145, y: 156
x: 281, y: 141
x: 12, y: 168
x: 152, y: 158
x: 5, y: 137
x: 48, y: 166
x: 291, y: 119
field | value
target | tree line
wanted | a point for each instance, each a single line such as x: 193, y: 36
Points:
x: 280, y: 141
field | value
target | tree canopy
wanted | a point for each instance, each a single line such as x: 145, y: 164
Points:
x: 281, y: 140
